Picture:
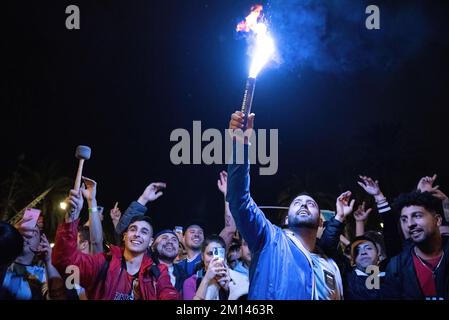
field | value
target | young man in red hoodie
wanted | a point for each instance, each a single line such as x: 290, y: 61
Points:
x: 122, y: 274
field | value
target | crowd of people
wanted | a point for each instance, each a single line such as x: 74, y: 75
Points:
x: 306, y: 258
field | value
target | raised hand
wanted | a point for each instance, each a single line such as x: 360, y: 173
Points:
x: 237, y: 122
x: 222, y: 183
x: 44, y: 249
x: 371, y: 187
x: 361, y: 215
x: 238, y: 119
x: 344, y: 207
x: 152, y: 192
x: 224, y: 280
x: 426, y: 184
x: 215, y: 270
x: 75, y: 204
x: 90, y: 189
x: 115, y: 214
x: 437, y: 193
x: 24, y: 229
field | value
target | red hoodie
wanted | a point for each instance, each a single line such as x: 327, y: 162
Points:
x: 65, y: 253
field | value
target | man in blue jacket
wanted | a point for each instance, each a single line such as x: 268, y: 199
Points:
x: 286, y: 264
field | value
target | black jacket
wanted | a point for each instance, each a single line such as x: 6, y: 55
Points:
x: 402, y: 281
x: 354, y: 285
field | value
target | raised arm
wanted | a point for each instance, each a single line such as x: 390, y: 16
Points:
x: 215, y: 271
x: 392, y: 238
x: 331, y: 235
x: 250, y: 220
x: 360, y: 217
x: 115, y: 214
x: 426, y: 184
x: 230, y: 228
x: 89, y: 191
x: 65, y: 252
x: 138, y: 208
x: 56, y: 287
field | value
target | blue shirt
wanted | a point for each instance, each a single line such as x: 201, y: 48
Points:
x: 189, y: 265
x: 18, y: 278
x: 239, y: 267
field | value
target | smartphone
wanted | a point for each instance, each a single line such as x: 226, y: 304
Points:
x: 178, y: 229
x: 32, y: 214
x: 219, y: 253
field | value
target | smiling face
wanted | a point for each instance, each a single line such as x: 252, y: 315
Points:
x: 194, y: 237
x: 138, y: 237
x: 304, y: 212
x: 167, y: 246
x: 419, y: 224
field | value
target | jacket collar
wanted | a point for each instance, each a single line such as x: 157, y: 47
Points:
x: 117, y: 253
x: 363, y: 274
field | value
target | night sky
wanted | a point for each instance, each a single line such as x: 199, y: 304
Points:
x: 346, y: 100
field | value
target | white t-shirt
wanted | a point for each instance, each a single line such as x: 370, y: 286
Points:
x: 238, y: 286
x: 172, y: 276
x: 326, y: 280
x: 327, y: 276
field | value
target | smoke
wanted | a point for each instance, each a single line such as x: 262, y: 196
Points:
x: 331, y: 36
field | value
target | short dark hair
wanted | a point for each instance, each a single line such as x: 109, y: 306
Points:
x: 193, y: 224
x: 233, y: 248
x: 210, y: 239
x: 84, y: 233
x: 358, y: 241
x: 378, y: 239
x: 141, y: 218
x: 11, y: 243
x: 417, y: 198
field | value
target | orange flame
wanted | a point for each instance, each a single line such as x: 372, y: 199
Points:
x: 262, y: 47
x: 251, y: 20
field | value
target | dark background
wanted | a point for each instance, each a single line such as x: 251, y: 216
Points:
x: 346, y: 100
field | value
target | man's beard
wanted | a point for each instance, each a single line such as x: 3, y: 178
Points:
x: 167, y: 254
x: 298, y: 222
x: 195, y: 246
x: 164, y: 256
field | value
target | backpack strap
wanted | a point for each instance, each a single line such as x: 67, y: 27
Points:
x: 155, y: 271
x: 101, y: 275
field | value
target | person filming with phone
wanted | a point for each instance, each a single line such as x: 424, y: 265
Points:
x: 215, y: 280
x: 32, y: 275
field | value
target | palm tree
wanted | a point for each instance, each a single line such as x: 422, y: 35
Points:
x: 8, y: 205
x: 47, y: 176
x: 27, y: 185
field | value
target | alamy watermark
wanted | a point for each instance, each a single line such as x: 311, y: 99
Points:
x: 373, y: 280
x: 372, y: 22
x: 191, y: 148
x: 72, y: 22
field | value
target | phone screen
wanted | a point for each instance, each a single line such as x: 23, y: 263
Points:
x: 32, y: 215
x: 178, y: 229
x: 219, y: 253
